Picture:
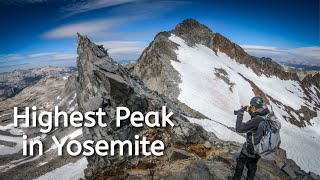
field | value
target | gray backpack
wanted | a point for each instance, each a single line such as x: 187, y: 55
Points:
x: 270, y: 140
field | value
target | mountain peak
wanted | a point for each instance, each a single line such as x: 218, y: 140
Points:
x: 190, y: 24
x: 84, y: 45
x: 193, y: 32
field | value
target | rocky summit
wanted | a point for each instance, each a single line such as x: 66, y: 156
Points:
x: 190, y: 153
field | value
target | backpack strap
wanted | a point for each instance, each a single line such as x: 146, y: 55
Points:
x: 265, y: 123
x: 269, y: 144
x: 252, y: 139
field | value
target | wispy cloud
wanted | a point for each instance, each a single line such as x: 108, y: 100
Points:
x: 85, y: 6
x: 63, y: 56
x: 128, y: 11
x: 13, y: 65
x: 41, y: 54
x: 9, y: 57
x: 114, y: 26
x: 305, y: 55
x: 124, y: 50
x: 313, y: 51
x: 13, y: 61
x: 95, y: 27
x: 259, y: 47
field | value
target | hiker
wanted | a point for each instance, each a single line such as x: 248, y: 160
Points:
x: 256, y: 132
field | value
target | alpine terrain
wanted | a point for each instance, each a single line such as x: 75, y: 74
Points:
x: 200, y: 76
x: 208, y: 73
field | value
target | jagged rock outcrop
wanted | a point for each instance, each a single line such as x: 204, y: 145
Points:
x: 190, y: 151
x: 310, y: 80
x: 153, y: 66
x: 268, y: 61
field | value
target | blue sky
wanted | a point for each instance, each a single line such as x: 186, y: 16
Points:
x: 35, y: 33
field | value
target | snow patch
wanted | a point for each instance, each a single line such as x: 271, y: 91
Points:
x: 201, y: 61
x: 74, y: 97
x: 70, y: 136
x: 42, y: 163
x: 4, y: 150
x: 67, y: 172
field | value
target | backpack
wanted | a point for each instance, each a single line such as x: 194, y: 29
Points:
x: 270, y: 140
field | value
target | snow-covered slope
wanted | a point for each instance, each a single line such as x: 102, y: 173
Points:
x: 215, y: 85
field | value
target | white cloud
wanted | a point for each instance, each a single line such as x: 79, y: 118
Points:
x: 305, y: 55
x: 124, y: 50
x: 94, y: 27
x: 41, y: 54
x: 38, y: 56
x: 313, y: 51
x: 10, y: 57
x: 63, y: 56
x: 85, y: 6
x: 49, y: 58
x: 259, y: 47
x: 126, y: 11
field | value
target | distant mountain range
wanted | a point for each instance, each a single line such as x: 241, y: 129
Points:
x: 304, y: 67
x: 11, y: 83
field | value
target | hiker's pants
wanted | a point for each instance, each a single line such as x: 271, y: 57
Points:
x: 250, y: 163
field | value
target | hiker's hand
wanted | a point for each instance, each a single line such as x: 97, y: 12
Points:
x: 244, y: 108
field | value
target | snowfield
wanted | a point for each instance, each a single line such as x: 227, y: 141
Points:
x: 67, y: 172
x: 212, y: 84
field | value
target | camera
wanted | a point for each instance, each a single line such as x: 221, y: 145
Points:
x: 244, y: 108
x: 235, y: 112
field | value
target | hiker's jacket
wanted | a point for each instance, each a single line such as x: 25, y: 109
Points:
x: 254, y: 126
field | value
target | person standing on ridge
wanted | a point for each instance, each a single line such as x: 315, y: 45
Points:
x: 254, y: 130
